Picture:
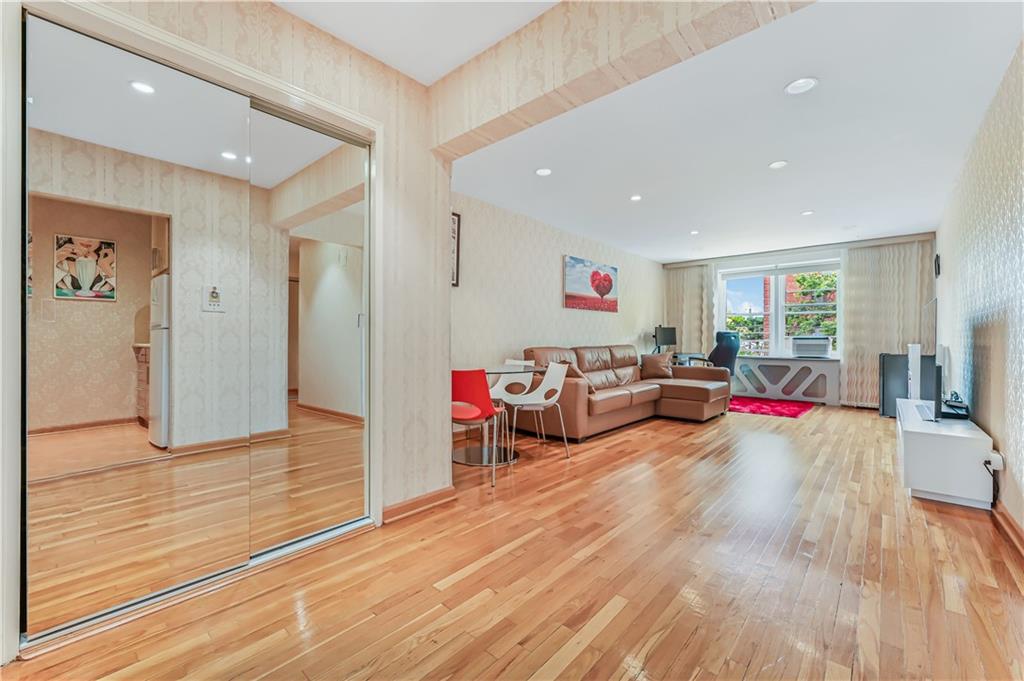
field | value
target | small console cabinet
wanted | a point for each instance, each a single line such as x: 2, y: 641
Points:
x: 943, y: 460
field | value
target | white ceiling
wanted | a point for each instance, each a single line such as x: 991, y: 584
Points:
x: 424, y: 40
x: 281, y: 148
x: 79, y: 88
x: 874, y: 150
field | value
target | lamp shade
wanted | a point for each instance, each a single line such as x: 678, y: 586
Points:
x: 665, y: 335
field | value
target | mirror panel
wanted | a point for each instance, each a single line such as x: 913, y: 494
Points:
x: 137, y: 306
x: 307, y: 341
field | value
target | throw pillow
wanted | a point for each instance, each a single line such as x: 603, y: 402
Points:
x: 656, y: 366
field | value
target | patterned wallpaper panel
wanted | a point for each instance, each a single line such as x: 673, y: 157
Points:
x: 510, y: 292
x: 209, y: 245
x: 81, y: 367
x: 268, y: 339
x: 981, y: 288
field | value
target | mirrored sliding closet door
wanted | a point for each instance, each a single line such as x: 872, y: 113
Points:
x: 196, y: 331
x: 137, y: 330
x: 308, y: 339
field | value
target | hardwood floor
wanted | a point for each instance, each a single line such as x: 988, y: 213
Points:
x: 749, y: 547
x: 307, y: 482
x: 100, y: 538
x: 68, y: 452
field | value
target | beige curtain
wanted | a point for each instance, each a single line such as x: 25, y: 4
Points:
x: 690, y: 302
x: 884, y: 293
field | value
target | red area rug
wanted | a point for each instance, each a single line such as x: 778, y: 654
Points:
x: 766, y: 407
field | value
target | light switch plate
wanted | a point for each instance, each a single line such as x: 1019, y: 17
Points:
x: 213, y: 299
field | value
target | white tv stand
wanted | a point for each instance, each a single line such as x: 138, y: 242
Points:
x: 943, y: 460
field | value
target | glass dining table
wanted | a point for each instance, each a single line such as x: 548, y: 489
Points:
x: 482, y: 454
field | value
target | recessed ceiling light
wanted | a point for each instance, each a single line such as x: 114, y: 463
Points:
x: 543, y: 172
x: 229, y: 155
x: 144, y: 88
x: 635, y: 197
x: 776, y: 165
x: 807, y: 212
x: 248, y: 159
x: 801, y: 85
x: 694, y: 232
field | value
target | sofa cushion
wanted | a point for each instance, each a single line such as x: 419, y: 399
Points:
x: 623, y: 356
x: 601, y: 380
x: 544, y: 355
x: 691, y: 389
x: 574, y: 372
x: 656, y: 366
x: 643, y: 392
x: 610, y: 399
x: 597, y: 358
x: 627, y: 375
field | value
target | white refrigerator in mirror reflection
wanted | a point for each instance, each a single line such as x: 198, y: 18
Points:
x: 159, y: 360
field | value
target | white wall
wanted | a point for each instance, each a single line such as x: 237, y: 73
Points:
x: 330, y: 342
x: 510, y: 291
x: 981, y: 288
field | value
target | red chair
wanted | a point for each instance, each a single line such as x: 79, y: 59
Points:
x: 472, y: 406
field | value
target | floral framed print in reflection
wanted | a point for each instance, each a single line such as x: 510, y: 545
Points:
x: 84, y: 268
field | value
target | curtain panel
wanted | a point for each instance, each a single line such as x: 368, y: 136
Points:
x: 690, y: 303
x: 884, y: 293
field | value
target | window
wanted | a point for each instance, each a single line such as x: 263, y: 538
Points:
x: 768, y: 310
x: 810, y: 307
x: 746, y: 302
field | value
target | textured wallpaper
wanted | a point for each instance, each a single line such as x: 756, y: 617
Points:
x: 209, y: 245
x: 510, y: 292
x: 981, y: 289
x: 81, y: 367
x: 268, y: 341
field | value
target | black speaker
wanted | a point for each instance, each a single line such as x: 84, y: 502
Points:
x: 937, y: 268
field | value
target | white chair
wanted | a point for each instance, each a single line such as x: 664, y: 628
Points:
x: 501, y: 391
x: 544, y: 397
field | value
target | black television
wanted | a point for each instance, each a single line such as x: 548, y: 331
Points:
x: 664, y: 335
x: 937, y: 398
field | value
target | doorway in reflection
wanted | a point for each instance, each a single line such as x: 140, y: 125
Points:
x: 308, y: 471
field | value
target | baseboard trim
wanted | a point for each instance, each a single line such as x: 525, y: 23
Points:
x: 1009, y: 527
x: 84, y: 426
x: 354, y: 418
x: 268, y: 435
x: 404, y: 509
x: 211, y: 446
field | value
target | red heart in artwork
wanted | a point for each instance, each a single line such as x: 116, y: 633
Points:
x: 601, y: 283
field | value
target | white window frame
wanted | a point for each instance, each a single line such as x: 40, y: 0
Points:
x: 776, y: 308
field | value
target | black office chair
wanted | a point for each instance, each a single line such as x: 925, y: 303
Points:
x: 727, y: 347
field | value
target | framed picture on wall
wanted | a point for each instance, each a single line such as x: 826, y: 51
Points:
x: 84, y: 268
x: 590, y: 286
x: 456, y: 237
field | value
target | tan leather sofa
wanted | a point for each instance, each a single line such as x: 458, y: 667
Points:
x: 620, y: 396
